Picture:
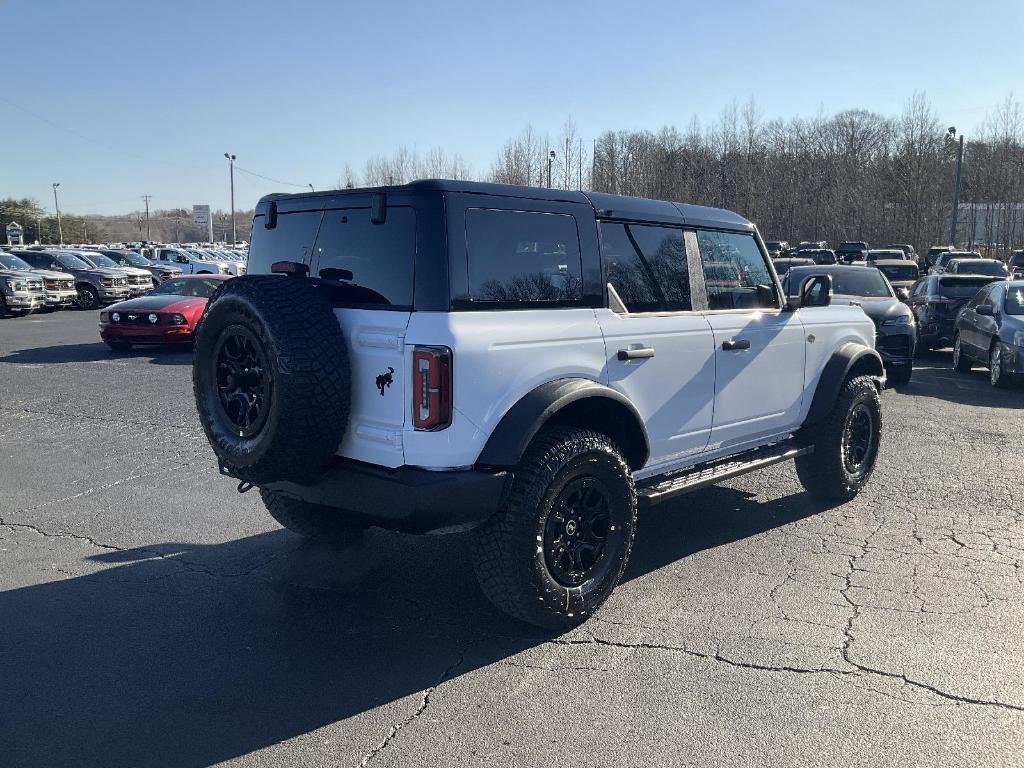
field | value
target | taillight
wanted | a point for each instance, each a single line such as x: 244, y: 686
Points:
x: 431, y: 388
x: 939, y: 300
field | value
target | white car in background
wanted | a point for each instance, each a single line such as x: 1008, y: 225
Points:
x: 189, y: 261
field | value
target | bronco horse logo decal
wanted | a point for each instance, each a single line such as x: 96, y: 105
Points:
x: 384, y: 380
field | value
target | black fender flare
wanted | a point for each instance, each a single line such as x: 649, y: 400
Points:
x: 849, y: 358
x: 520, y: 424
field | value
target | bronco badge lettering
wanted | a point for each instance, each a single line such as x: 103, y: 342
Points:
x: 384, y: 380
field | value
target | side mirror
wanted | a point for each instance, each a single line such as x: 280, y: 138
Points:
x: 815, y: 291
x: 984, y: 309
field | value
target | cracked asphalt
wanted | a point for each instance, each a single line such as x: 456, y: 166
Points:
x: 150, y: 615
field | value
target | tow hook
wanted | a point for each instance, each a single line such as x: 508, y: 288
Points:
x: 245, y: 486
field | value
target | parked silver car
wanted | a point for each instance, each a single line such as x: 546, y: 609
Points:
x: 94, y: 286
x: 58, y: 289
x: 124, y: 258
x: 140, y: 281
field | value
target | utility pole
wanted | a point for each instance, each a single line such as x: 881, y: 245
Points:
x: 567, y: 156
x: 56, y: 205
x: 580, y: 167
x: 956, y: 187
x: 231, y: 163
x: 551, y: 157
x: 147, y: 198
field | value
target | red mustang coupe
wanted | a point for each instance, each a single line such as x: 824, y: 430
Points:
x: 166, y: 315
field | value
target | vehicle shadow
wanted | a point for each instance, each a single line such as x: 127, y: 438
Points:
x: 187, y: 655
x: 934, y: 377
x: 96, y: 352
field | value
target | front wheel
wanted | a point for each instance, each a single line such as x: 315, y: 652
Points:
x: 845, y: 444
x: 88, y: 297
x: 556, y: 549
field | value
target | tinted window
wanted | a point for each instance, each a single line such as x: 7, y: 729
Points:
x: 647, y: 267
x: 291, y: 240
x: 899, y: 271
x: 978, y: 267
x: 10, y: 261
x: 1015, y: 301
x: 516, y: 256
x: 733, y: 270
x: 374, y: 261
x: 960, y: 287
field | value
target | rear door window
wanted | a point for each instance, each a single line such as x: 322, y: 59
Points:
x: 291, y: 240
x: 646, y: 265
x: 375, y: 262
x: 522, y: 258
x: 736, y: 275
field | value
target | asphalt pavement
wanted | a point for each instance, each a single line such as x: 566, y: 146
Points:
x: 152, y: 616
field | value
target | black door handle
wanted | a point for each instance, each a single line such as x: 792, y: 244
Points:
x: 636, y: 354
x: 733, y: 345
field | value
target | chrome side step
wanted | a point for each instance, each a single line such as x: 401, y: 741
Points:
x: 659, y: 489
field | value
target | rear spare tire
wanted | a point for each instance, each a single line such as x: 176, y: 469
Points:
x: 271, y: 378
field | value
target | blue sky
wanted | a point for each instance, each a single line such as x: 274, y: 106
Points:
x: 127, y: 98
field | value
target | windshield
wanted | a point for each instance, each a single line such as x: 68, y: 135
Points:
x: 187, y: 286
x: 1015, y: 301
x: 10, y: 261
x: 899, y: 271
x: 71, y: 261
x: 198, y: 254
x: 100, y: 260
x: 977, y: 267
x: 849, y: 281
x: 135, y: 259
x: 961, y: 287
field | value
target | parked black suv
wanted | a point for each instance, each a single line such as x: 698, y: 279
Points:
x: 851, y: 250
x: 936, y: 301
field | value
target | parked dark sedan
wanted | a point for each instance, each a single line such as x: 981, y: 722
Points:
x: 894, y: 322
x: 990, y: 331
x: 936, y: 301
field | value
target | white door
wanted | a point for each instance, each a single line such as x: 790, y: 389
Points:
x: 759, y: 348
x: 660, y: 352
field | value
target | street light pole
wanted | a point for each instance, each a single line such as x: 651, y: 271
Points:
x: 551, y: 157
x: 956, y: 187
x: 231, y: 163
x: 56, y: 205
x: 311, y: 188
x: 146, y: 198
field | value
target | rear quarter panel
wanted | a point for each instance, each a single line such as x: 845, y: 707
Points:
x: 498, y: 357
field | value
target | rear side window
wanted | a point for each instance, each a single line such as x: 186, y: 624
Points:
x: 647, y: 267
x: 291, y: 240
x: 735, y: 273
x: 374, y: 261
x: 523, y: 258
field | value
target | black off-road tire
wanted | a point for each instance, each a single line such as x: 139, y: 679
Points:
x: 299, y: 362
x: 313, y: 521
x: 509, y: 556
x: 825, y: 472
x: 899, y: 377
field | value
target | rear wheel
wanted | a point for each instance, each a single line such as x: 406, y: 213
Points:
x: 845, y: 444
x: 555, y: 551
x: 996, y: 375
x: 960, y: 361
x: 310, y: 520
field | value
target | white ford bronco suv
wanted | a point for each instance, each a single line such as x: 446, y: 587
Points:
x: 531, y: 363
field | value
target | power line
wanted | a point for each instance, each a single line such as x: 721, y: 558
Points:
x: 267, y: 178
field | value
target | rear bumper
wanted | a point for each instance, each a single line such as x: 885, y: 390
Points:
x: 406, y: 499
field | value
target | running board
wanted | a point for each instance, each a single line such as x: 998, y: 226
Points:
x: 701, y: 475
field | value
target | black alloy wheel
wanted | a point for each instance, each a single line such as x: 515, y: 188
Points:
x: 244, y: 383
x: 859, y: 445
x: 580, y: 531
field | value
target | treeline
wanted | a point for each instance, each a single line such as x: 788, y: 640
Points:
x: 854, y: 175
x: 169, y: 226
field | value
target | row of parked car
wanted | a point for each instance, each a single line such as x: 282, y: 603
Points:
x: 44, y: 277
x: 947, y: 298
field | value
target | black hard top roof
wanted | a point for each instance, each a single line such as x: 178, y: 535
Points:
x: 606, y: 206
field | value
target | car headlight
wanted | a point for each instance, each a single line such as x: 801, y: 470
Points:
x: 10, y: 286
x: 1018, y: 338
x: 116, y: 317
x: 224, y: 270
x: 153, y: 318
x: 178, y: 320
x: 107, y: 281
x: 901, y: 320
